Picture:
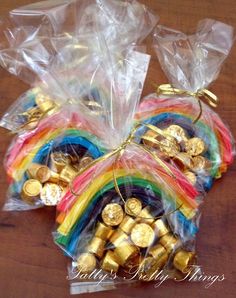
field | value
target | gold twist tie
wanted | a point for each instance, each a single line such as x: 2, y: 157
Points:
x: 119, y: 152
x: 202, y: 94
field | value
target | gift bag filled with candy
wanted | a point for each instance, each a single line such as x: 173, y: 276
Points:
x: 128, y: 215
x: 57, y: 48
x: 202, y: 144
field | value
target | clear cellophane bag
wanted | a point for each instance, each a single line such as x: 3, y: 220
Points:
x: 58, y: 48
x: 128, y: 216
x: 184, y: 108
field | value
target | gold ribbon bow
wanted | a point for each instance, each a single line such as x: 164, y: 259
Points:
x: 202, y: 94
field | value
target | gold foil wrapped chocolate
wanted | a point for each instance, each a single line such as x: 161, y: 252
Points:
x: 169, y: 146
x: 59, y: 161
x: 39, y: 172
x: 160, y: 228
x: 133, y: 207
x: 125, y: 252
x: 67, y: 174
x: 51, y: 194
x: 200, y: 163
x: 183, y: 160
x: 157, y: 251
x: 145, y: 216
x: 112, y: 214
x: 103, y: 232
x: 118, y: 238
x: 142, y: 235
x: 96, y: 246
x: 183, y: 260
x: 184, y: 152
x: 54, y: 177
x: 127, y: 224
x: 169, y: 241
x: 86, y: 263
x: 109, y: 263
x: 177, y: 132
x: 31, y: 190
x: 45, y: 104
x: 195, y: 146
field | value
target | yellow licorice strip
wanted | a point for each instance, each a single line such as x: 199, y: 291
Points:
x: 81, y: 204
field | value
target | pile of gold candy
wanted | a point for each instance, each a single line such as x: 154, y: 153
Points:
x: 50, y: 183
x: 44, y: 105
x: 131, y: 238
x: 186, y: 153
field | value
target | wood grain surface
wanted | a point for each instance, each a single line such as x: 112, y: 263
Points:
x: 32, y: 266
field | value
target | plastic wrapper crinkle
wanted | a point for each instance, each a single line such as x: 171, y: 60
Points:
x: 60, y: 49
x: 202, y: 145
x: 33, y: 36
x: 128, y: 215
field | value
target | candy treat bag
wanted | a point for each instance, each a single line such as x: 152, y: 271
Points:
x: 202, y: 145
x: 128, y: 215
x: 31, y: 35
x: 56, y: 138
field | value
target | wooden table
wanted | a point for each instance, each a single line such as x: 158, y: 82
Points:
x: 32, y: 266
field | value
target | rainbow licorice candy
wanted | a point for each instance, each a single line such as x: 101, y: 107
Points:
x: 163, y: 112
x: 155, y: 189
x: 62, y: 132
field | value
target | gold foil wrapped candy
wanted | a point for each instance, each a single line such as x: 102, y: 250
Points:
x: 59, y: 161
x: 177, y: 132
x: 152, y: 135
x: 195, y: 146
x: 200, y: 163
x: 127, y: 224
x: 31, y: 190
x: 160, y: 228
x: 131, y: 239
x: 96, y: 246
x: 51, y: 194
x: 125, y: 253
x: 183, y: 161
x: 142, y: 235
x: 170, y: 147
x: 103, y: 232
x: 183, y: 260
x: 45, y: 104
x: 86, y: 263
x: 112, y: 214
x: 67, y: 174
x: 145, y: 216
x: 133, y: 207
x: 183, y: 151
x: 54, y: 177
x: 170, y: 242
x: 109, y: 262
x: 118, y: 238
x: 39, y: 172
x: 158, y: 252
x: 150, y: 267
